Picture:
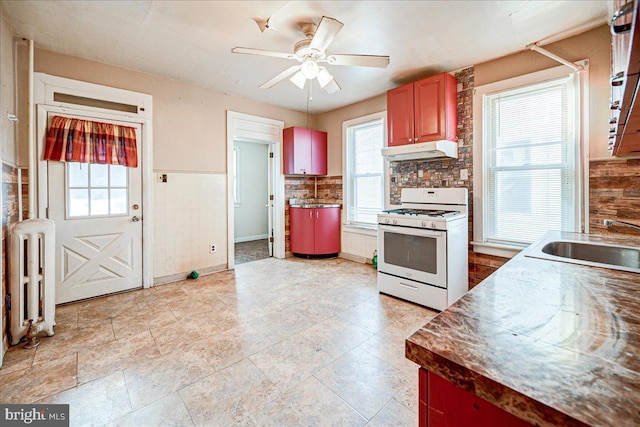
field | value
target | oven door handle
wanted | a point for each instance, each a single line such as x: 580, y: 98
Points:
x: 411, y: 231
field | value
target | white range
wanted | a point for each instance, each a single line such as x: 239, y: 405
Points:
x: 423, y: 247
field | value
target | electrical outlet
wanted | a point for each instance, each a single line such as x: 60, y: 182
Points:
x: 420, y: 173
x: 212, y: 248
x: 464, y: 174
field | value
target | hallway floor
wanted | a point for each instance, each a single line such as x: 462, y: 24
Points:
x: 251, y: 251
x: 276, y: 342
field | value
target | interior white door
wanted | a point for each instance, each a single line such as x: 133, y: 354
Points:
x: 271, y: 197
x: 97, y: 210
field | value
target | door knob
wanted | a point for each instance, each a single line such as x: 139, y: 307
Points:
x: 135, y: 218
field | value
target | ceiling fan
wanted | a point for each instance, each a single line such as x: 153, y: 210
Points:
x: 311, y: 53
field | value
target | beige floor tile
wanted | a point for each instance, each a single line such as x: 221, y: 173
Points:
x: 289, y: 362
x: 336, y: 336
x: 394, y: 415
x: 97, y: 402
x: 308, y: 404
x: 192, y: 305
x: 154, y: 379
x: 166, y: 412
x: 183, y: 334
x: 17, y: 358
x: 147, y: 319
x: 388, y: 345
x: 371, y: 316
x: 363, y: 381
x: 228, y: 347
x: 102, y: 360
x: 105, y: 309
x: 279, y: 325
x: 408, y: 395
x: 228, y: 396
x: 71, y: 341
x: 40, y: 381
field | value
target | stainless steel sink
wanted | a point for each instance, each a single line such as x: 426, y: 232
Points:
x: 596, y: 254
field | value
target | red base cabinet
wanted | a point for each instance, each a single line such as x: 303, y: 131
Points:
x: 314, y: 231
x: 305, y: 151
x: 443, y: 404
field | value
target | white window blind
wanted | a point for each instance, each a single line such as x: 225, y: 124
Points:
x: 365, y: 169
x: 530, y: 172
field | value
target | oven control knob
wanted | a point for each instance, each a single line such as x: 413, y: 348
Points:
x: 395, y: 221
x: 433, y: 225
x: 386, y: 220
x: 424, y: 224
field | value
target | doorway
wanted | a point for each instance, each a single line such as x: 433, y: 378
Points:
x: 255, y: 129
x: 253, y: 219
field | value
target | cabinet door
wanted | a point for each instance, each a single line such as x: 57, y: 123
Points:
x: 400, y: 115
x: 430, y: 110
x: 296, y: 151
x: 318, y: 152
x: 327, y: 231
x: 301, y: 230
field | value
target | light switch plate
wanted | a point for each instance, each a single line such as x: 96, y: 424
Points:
x: 464, y: 174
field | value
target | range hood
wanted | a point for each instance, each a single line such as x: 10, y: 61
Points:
x: 422, y: 150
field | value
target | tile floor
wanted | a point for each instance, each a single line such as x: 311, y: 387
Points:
x: 251, y: 251
x: 276, y: 342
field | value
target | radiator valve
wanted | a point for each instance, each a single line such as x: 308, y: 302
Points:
x: 32, y: 335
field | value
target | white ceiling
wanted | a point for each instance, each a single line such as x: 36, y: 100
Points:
x: 191, y: 41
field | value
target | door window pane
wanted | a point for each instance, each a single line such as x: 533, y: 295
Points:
x: 78, y: 202
x: 96, y: 190
x: 99, y: 202
x: 99, y: 175
x: 118, y: 176
x: 118, y: 201
x: 78, y: 174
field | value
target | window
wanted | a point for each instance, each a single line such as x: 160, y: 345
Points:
x: 96, y: 190
x: 364, y: 168
x: 530, y: 176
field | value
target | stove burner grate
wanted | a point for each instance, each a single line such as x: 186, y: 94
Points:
x: 425, y: 212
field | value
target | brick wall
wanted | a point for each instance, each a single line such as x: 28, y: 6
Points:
x: 329, y: 188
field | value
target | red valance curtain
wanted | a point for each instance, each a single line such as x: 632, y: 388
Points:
x: 75, y: 140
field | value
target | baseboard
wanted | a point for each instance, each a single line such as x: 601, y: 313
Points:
x: 5, y: 347
x: 250, y: 238
x: 163, y: 280
x: 356, y: 258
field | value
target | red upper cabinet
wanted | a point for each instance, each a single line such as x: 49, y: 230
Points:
x: 305, y: 151
x: 400, y: 115
x: 423, y: 111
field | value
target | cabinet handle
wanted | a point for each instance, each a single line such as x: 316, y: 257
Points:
x: 316, y: 214
x: 410, y: 139
x: 618, y: 79
x: 310, y: 215
x: 624, y: 28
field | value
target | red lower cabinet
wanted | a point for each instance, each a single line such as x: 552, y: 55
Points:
x: 443, y: 404
x: 314, y: 231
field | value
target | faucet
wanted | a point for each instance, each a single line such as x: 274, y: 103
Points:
x: 610, y: 222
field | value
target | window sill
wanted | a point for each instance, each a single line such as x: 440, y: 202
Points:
x: 369, y: 230
x: 504, y: 251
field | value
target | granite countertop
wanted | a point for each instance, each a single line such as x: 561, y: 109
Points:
x: 550, y: 342
x: 314, y: 203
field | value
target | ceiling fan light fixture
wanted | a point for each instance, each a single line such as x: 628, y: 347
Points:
x: 310, y: 69
x: 324, y: 77
x: 299, y: 79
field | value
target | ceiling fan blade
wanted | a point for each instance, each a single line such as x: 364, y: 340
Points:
x: 327, y: 30
x: 283, y: 75
x: 332, y: 86
x: 251, y: 51
x: 359, y: 60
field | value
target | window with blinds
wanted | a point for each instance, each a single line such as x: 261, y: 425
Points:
x: 530, y: 161
x: 365, y: 171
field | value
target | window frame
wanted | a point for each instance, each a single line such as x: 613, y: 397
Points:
x: 480, y: 242
x: 353, y: 226
x: 89, y: 188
